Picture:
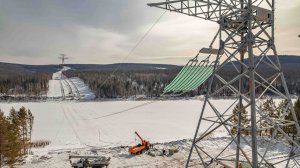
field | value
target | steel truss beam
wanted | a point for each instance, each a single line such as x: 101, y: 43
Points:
x: 246, y: 30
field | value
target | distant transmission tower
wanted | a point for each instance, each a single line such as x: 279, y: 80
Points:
x: 246, y: 39
x: 63, y: 57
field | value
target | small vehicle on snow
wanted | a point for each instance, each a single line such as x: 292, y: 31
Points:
x: 138, y: 149
x: 89, y: 161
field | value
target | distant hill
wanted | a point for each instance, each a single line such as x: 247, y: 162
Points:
x: 287, y: 62
x: 21, y: 68
x: 143, y: 79
x: 285, y: 59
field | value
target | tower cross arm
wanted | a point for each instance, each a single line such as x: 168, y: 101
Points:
x: 206, y: 9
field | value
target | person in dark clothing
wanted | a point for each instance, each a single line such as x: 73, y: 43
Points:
x: 164, y: 151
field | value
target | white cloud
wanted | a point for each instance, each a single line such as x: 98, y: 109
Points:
x: 177, y: 37
x: 99, y: 36
x: 99, y: 45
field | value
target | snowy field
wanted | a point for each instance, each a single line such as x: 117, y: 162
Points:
x: 111, y: 123
x: 76, y: 127
x: 102, y: 128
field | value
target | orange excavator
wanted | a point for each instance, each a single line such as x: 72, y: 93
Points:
x: 138, y: 149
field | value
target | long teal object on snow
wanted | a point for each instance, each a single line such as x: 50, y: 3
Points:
x: 190, y: 78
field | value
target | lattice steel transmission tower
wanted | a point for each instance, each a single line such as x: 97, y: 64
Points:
x: 63, y: 57
x: 246, y: 41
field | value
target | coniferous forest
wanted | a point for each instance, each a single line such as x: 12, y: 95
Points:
x: 15, y: 135
x: 121, y: 84
x: 29, y: 83
x: 23, y: 86
x: 271, y: 109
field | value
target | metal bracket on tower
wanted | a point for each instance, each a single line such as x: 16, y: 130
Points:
x: 246, y: 31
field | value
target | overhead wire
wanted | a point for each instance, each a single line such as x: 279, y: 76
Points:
x: 59, y: 129
x: 114, y: 71
x: 126, y: 110
x: 72, y: 127
x: 122, y: 111
x: 134, y: 47
x: 120, y: 64
x: 89, y: 127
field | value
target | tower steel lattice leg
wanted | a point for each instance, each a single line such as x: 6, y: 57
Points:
x: 246, y: 35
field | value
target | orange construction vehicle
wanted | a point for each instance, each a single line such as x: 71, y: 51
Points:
x: 138, y: 149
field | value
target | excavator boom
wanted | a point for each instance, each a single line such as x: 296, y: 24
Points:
x: 139, y: 136
x: 138, y: 149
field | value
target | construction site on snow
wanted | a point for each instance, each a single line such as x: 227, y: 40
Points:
x: 221, y: 140
x: 144, y: 147
x: 246, y: 31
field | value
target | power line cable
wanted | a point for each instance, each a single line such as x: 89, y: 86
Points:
x: 126, y: 110
x: 122, y: 111
x: 72, y: 127
x: 115, y: 70
x: 134, y: 47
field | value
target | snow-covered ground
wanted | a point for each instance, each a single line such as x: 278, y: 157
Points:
x: 74, y: 88
x: 119, y: 157
x: 80, y: 126
x: 85, y: 127
x: 110, y: 123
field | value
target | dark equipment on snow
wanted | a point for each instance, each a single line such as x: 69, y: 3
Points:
x: 89, y: 161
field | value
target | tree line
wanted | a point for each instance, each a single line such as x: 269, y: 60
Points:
x: 15, y: 135
x: 125, y: 84
x: 20, y: 86
x: 151, y: 83
x: 271, y: 110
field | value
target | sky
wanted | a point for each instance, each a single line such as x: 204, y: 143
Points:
x: 104, y: 32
